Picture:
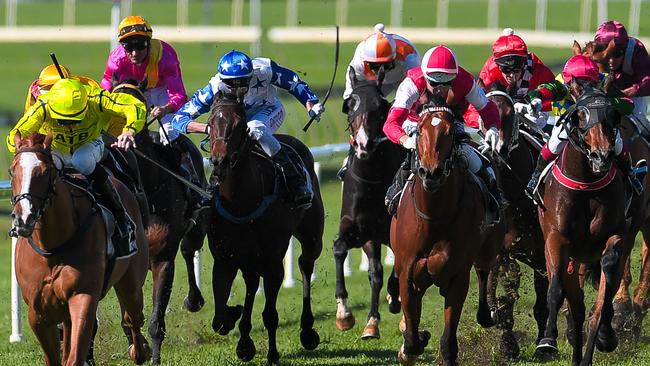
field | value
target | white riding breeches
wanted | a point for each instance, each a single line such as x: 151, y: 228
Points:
x: 559, y: 138
x: 158, y: 97
x: 262, y: 123
x: 85, y: 158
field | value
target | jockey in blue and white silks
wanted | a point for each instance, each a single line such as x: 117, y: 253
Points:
x: 264, y: 111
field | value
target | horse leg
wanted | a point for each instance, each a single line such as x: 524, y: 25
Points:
x: 191, y: 243
x: 65, y: 349
x: 510, y: 276
x: 483, y: 316
x: 246, y: 347
x: 130, y: 297
x: 376, y: 279
x: 309, y: 338
x: 223, y: 274
x: 641, y: 294
x: 344, y: 317
x: 163, y: 278
x: 272, y: 282
x: 540, y: 310
x: 576, y: 313
x: 623, y: 301
x: 454, y: 300
x: 82, y: 308
x: 48, y: 337
x: 414, y: 340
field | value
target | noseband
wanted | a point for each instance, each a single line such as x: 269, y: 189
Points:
x: 243, y: 144
x: 448, y: 164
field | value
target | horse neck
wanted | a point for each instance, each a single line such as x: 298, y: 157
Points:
x: 381, y: 164
x: 442, y: 203
x: 245, y: 185
x: 59, y: 221
x: 575, y: 165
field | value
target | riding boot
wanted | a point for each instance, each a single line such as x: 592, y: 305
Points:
x: 291, y: 165
x: 534, y: 178
x: 624, y: 163
x: 487, y: 175
x: 346, y: 164
x: 394, y: 192
x: 102, y: 184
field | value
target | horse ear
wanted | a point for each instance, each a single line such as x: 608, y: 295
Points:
x: 577, y: 50
x: 143, y: 85
x: 115, y: 80
x: 17, y: 140
x: 611, y: 47
x: 352, y: 75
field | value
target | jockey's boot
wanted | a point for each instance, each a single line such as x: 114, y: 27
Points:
x: 394, y: 192
x: 487, y: 175
x: 295, y: 175
x: 346, y: 164
x: 624, y: 162
x: 534, y: 178
x: 102, y: 184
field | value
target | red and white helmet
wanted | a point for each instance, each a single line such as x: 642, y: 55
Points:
x: 439, y: 64
x: 379, y: 47
x: 509, y: 44
x: 580, y: 67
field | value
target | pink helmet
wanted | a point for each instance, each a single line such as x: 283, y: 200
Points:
x: 581, y: 67
x: 439, y: 64
x: 379, y: 47
x: 611, y: 30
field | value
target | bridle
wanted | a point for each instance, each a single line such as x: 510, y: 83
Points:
x: 243, y: 143
x: 355, y: 111
x: 448, y: 164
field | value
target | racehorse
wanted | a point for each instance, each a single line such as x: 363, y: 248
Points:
x: 629, y: 313
x: 364, y: 220
x: 62, y: 265
x: 584, y: 221
x: 252, y: 224
x: 437, y: 238
x: 514, y: 163
x: 172, y: 219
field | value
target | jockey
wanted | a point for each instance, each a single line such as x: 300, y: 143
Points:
x: 76, y: 115
x: 392, y: 52
x: 516, y: 69
x: 48, y: 76
x: 440, y: 74
x: 579, y: 71
x: 630, y: 66
x: 264, y: 111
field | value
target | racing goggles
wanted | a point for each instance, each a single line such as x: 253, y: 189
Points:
x: 508, y: 64
x: 375, y: 66
x: 235, y: 83
x: 135, y: 44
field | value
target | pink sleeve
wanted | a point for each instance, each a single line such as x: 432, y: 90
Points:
x: 111, y: 67
x: 490, y: 115
x: 393, y: 125
x: 172, y: 78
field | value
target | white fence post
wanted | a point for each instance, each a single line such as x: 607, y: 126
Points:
x: 292, y: 13
x: 127, y: 8
x: 11, y: 13
x: 364, y: 264
x: 396, y: 10
x: 182, y: 13
x: 256, y: 20
x: 69, y: 12
x: 540, y: 15
x: 115, y: 22
x: 16, y: 326
x: 493, y: 14
x: 442, y: 13
x: 237, y: 12
x: 342, y: 12
x: 602, y: 11
x: 635, y: 14
x: 585, y: 15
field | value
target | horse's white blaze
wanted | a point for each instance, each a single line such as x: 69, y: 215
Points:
x: 28, y: 162
x: 435, y: 121
x: 362, y: 137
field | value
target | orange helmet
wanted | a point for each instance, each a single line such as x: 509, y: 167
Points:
x: 133, y: 25
x: 50, y: 75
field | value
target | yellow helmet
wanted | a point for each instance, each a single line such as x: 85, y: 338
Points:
x: 68, y: 99
x: 50, y: 75
x: 133, y: 25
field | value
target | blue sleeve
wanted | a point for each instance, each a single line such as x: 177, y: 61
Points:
x: 199, y: 104
x: 289, y: 80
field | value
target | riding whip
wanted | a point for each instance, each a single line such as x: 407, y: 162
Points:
x: 327, y: 95
x: 56, y: 64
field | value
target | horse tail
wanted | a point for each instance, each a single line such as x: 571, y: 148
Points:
x: 156, y: 233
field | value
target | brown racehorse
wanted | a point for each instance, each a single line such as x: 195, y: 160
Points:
x: 584, y: 221
x: 172, y: 221
x: 61, y: 256
x: 629, y: 313
x: 438, y: 234
x: 517, y: 153
x: 252, y: 225
x: 364, y: 220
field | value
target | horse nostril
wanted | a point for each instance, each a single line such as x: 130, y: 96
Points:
x: 422, y: 173
x: 363, y: 155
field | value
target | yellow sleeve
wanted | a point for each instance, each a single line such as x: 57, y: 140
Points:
x: 123, y: 105
x: 29, y: 124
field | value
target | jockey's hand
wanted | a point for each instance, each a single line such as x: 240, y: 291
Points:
x: 315, y: 110
x: 492, y: 138
x: 159, y: 111
x: 536, y: 105
x: 631, y: 91
x: 523, y: 108
x: 408, y: 142
x: 125, y: 141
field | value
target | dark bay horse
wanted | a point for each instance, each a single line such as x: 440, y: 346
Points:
x: 584, y: 221
x: 252, y: 224
x: 438, y: 234
x: 364, y: 220
x: 61, y: 256
x: 172, y: 219
x: 629, y: 312
x: 514, y: 163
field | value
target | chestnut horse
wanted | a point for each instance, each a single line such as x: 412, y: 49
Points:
x: 61, y: 256
x: 517, y: 154
x: 629, y: 313
x: 172, y: 221
x: 438, y: 234
x: 252, y: 224
x: 364, y: 220
x: 584, y: 221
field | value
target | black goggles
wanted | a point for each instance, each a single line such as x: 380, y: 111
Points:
x: 139, y: 44
x: 510, y: 69
x: 435, y: 84
x: 237, y: 82
x: 375, y: 66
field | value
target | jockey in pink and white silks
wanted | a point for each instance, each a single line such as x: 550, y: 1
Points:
x: 264, y: 111
x: 439, y: 74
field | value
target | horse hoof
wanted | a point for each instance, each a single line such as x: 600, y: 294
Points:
x: 309, y: 339
x: 233, y: 313
x: 424, y: 337
x: 404, y: 359
x: 546, y: 347
x: 346, y: 322
x: 394, y: 305
x: 402, y: 325
x: 484, y: 319
x: 139, y: 357
x: 246, y: 349
x: 622, y: 318
x: 509, y: 347
x: 272, y: 358
x: 606, y: 341
x: 193, y: 306
x: 371, y: 331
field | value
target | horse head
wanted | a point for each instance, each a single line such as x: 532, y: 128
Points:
x: 592, y: 128
x: 229, y: 139
x: 509, y: 133
x: 603, y: 55
x: 435, y: 143
x: 367, y: 110
x: 33, y: 176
